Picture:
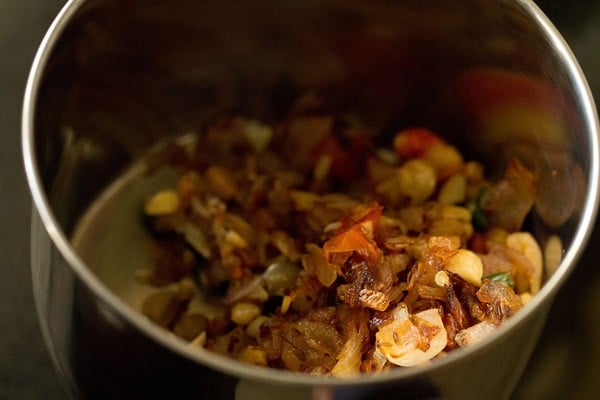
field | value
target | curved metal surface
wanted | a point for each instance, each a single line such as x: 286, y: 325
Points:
x: 108, y: 83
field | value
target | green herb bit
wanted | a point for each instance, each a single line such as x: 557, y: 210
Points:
x: 505, y: 277
x: 479, y: 218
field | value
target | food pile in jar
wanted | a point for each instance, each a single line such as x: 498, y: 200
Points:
x: 313, y: 246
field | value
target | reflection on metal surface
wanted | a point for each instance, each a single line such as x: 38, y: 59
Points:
x: 51, y: 301
x: 566, y: 362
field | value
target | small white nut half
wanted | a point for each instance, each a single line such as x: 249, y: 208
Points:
x: 404, y: 344
x: 553, y: 252
x: 468, y: 265
x: 525, y: 244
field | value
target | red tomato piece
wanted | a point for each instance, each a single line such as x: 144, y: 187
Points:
x: 347, y: 159
x: 415, y: 142
x: 352, y: 239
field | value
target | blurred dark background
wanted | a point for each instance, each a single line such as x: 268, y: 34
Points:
x: 566, y: 364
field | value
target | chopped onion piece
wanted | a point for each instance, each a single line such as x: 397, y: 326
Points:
x: 196, y: 238
x: 474, y: 334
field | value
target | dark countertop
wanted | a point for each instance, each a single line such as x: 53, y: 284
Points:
x: 565, y: 365
x: 25, y: 369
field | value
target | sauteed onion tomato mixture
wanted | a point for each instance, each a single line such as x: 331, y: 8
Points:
x: 311, y: 245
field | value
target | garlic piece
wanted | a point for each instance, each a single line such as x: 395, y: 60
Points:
x: 164, y: 202
x: 416, y: 179
x: 244, y: 313
x: 454, y: 190
x: 445, y: 159
x: 254, y: 355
